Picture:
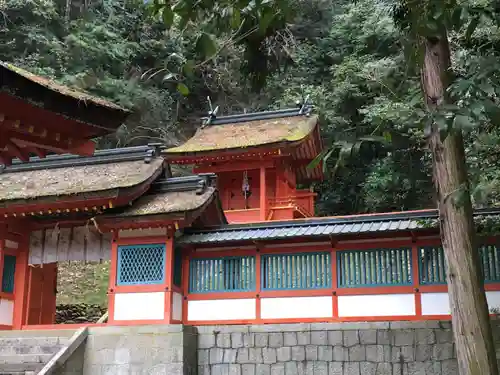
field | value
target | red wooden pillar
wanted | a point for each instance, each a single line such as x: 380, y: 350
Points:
x: 258, y: 286
x: 263, y: 194
x: 185, y: 284
x: 21, y: 285
x: 335, y: 298
x: 113, y: 267
x: 169, y: 277
x: 416, y: 279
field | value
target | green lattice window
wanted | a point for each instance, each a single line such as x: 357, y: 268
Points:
x: 432, y: 264
x: 296, y: 271
x: 227, y: 274
x: 141, y: 264
x: 377, y: 267
x: 9, y: 270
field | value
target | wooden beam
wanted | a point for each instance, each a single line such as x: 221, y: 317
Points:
x: 5, y: 159
x: 263, y: 194
x: 31, y: 149
x: 38, y: 152
x: 16, y: 151
x: 56, y: 142
x: 234, y: 166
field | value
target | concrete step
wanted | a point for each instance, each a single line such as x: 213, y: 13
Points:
x: 21, y: 368
x: 46, y: 341
x: 31, y: 345
x: 38, y: 333
x: 29, y: 349
x: 24, y: 359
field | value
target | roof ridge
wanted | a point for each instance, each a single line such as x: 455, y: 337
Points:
x: 100, y: 157
x: 212, y: 119
x: 352, y: 219
x: 198, y: 182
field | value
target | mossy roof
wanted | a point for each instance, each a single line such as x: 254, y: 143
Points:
x: 247, y: 134
x: 169, y: 203
x: 69, y: 181
x: 56, y: 87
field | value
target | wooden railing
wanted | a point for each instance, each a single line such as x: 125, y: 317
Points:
x: 302, y: 201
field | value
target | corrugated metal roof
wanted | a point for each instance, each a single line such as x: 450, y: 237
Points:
x: 319, y: 227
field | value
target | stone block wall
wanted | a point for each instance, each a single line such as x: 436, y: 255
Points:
x: 169, y: 349
x: 396, y: 348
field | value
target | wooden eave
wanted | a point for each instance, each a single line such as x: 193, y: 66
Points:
x: 36, y: 119
x: 274, y: 150
x: 84, y: 202
x: 179, y: 220
x: 348, y: 241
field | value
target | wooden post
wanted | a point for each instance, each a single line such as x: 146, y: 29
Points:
x: 258, y: 286
x: 185, y: 285
x: 335, y: 298
x: 169, y: 276
x: 416, y: 279
x: 21, y: 282
x: 112, y: 278
x: 263, y: 194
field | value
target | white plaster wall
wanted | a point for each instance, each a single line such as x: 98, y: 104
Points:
x: 128, y: 233
x: 11, y: 244
x: 435, y: 304
x: 177, y: 306
x: 227, y: 309
x: 377, y: 305
x: 139, y: 306
x: 493, y: 300
x: 296, y: 307
x: 6, y: 312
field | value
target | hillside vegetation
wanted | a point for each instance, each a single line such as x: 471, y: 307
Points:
x: 347, y: 56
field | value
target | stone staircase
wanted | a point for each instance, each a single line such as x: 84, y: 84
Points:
x: 26, y: 352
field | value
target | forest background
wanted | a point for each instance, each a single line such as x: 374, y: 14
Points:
x: 348, y: 57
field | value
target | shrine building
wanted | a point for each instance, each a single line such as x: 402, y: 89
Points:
x: 235, y: 242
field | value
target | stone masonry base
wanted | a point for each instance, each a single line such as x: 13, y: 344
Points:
x: 397, y: 348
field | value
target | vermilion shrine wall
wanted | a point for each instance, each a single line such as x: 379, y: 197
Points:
x: 378, y: 279
x: 384, y: 280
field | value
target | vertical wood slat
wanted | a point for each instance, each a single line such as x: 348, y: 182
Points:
x: 378, y: 267
x: 228, y: 274
x: 296, y: 271
x: 432, y: 264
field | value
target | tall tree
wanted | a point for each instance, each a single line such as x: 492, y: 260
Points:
x: 428, y: 23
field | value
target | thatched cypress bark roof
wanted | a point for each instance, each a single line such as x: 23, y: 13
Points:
x: 241, y: 135
x: 69, y: 176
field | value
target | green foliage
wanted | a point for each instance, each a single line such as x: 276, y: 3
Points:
x: 253, y: 25
x: 350, y: 58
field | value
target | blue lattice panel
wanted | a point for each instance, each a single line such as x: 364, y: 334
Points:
x: 296, y: 271
x: 141, y: 264
x: 227, y: 274
x: 9, y: 270
x: 371, y: 268
x: 490, y: 262
x: 432, y: 264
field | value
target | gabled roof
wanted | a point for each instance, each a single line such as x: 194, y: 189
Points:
x: 242, y: 132
x: 176, y: 198
x: 323, y: 227
x: 6, y: 68
x: 68, y: 178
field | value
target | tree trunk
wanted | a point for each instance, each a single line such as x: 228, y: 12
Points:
x: 469, y: 309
